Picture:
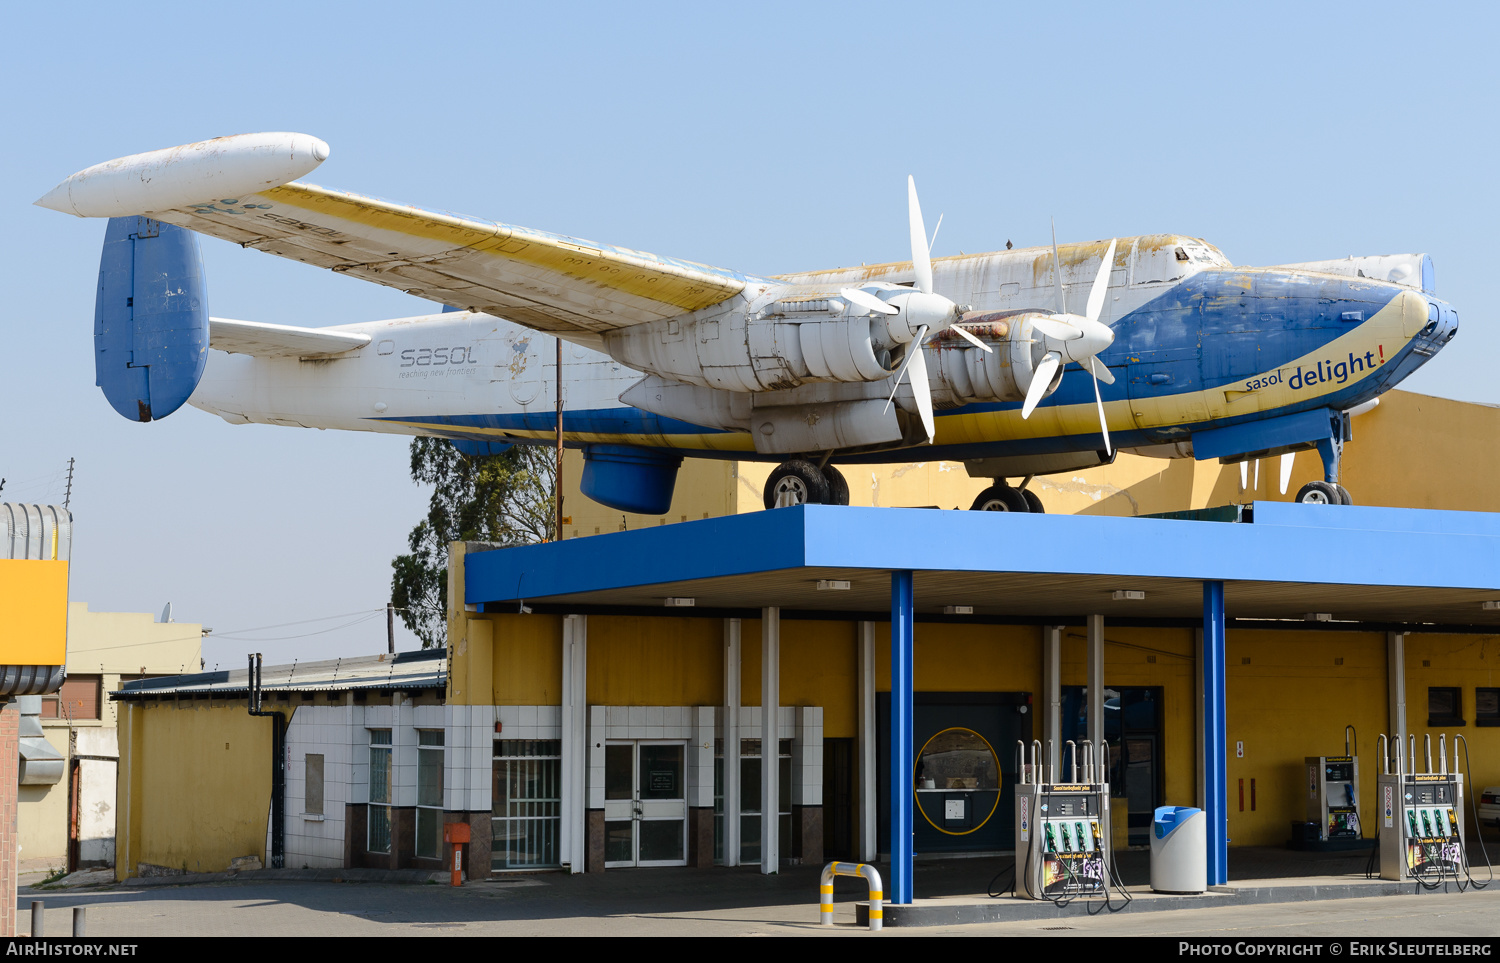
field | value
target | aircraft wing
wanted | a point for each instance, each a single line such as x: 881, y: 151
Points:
x: 280, y: 340
x: 544, y: 281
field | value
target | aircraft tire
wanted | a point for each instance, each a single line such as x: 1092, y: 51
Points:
x: 1033, y: 502
x: 1344, y: 497
x: 1000, y: 498
x: 800, y: 481
x: 838, y: 486
x: 1319, y: 493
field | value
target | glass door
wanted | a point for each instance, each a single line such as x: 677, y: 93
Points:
x: 645, y: 804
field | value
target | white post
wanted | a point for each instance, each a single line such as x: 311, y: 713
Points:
x: 1096, y: 680
x: 865, y: 699
x: 731, y: 737
x: 573, y: 832
x: 770, y: 740
x: 1052, y: 696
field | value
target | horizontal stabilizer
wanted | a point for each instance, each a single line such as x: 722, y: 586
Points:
x: 280, y: 340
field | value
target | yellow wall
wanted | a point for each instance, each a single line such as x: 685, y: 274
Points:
x: 655, y: 662
x: 1466, y: 661
x: 1290, y: 700
x: 195, y: 786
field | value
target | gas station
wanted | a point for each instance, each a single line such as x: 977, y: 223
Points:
x: 1258, y: 636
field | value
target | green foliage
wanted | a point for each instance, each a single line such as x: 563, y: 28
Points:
x: 505, y: 498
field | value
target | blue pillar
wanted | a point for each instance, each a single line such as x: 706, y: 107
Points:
x: 903, y: 766
x: 1215, y: 736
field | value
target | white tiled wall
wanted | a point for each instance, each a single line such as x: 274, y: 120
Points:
x: 342, y: 734
x: 699, y: 726
x: 313, y: 841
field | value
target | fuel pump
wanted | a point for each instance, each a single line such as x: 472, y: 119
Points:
x: 1332, y: 788
x: 1421, y: 815
x: 1062, y: 828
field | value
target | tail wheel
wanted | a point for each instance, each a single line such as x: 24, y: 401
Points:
x: 1000, y: 498
x: 796, y: 482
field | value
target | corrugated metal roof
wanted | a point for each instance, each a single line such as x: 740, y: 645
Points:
x: 426, y: 669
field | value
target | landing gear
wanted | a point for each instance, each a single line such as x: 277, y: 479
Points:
x: 801, y: 482
x: 1001, y: 497
x: 1331, y: 450
x: 1324, y: 493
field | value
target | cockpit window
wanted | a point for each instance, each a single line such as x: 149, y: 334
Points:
x: 1181, y: 254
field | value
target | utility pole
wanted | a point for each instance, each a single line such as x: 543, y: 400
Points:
x: 390, y: 627
x: 557, y: 492
x: 68, y: 495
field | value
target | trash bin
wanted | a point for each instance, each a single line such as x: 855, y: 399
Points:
x: 1179, y: 850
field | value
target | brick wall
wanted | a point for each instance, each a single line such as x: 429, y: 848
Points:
x: 10, y: 764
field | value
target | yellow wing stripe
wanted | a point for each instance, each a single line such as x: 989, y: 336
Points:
x: 630, y: 273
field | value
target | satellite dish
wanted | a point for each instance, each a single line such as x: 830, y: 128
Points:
x: 166, y: 614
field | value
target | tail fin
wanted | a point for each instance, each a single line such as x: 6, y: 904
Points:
x: 150, y: 317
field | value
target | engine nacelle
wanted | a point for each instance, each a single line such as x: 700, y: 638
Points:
x: 823, y: 416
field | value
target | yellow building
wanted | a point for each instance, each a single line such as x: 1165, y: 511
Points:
x: 79, y: 724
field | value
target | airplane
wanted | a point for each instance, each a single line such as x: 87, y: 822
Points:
x: 976, y: 359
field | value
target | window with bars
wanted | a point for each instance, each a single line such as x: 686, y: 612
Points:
x: 429, y: 792
x: 379, y: 834
x: 526, y: 818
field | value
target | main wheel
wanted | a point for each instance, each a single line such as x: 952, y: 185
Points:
x: 1033, y: 502
x: 838, y: 486
x: 1000, y: 498
x: 1344, y: 497
x: 1319, y: 493
x: 796, y: 482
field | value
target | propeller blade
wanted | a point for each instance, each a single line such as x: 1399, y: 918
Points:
x: 1244, y: 475
x: 921, y: 259
x: 1041, y: 378
x: 916, y: 372
x: 912, y: 350
x: 1056, y: 330
x: 1257, y: 474
x: 933, y: 242
x: 1098, y: 400
x: 1101, y: 284
x: 868, y: 301
x: 970, y: 338
x: 1286, y: 469
x: 1101, y: 371
x: 1062, y: 299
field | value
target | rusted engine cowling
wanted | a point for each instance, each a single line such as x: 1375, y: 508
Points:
x: 963, y: 374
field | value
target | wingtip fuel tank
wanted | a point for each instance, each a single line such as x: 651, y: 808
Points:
x: 164, y: 180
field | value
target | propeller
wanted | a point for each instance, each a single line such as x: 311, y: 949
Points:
x: 1071, y: 337
x: 928, y: 310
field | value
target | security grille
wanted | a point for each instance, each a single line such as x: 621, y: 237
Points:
x: 526, y: 818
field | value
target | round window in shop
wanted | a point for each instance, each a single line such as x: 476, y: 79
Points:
x: 957, y: 766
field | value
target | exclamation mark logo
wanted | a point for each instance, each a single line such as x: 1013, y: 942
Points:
x: 1381, y: 349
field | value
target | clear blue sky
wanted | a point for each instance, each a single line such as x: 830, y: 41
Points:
x: 765, y: 138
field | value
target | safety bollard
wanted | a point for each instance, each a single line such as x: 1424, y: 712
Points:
x: 825, y: 891
x: 456, y: 834
x: 37, y: 929
x: 79, y: 913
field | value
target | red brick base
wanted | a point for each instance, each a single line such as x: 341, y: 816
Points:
x: 10, y: 764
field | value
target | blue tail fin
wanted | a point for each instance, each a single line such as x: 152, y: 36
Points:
x: 150, y: 318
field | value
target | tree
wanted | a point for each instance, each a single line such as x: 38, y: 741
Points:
x: 505, y: 498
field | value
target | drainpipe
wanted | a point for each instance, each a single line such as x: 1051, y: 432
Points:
x: 278, y: 765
